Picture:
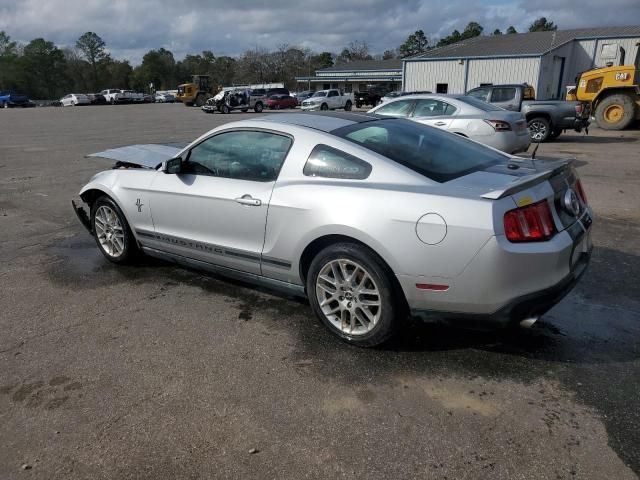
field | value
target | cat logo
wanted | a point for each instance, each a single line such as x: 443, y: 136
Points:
x: 622, y: 76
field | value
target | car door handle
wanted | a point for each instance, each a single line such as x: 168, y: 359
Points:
x: 249, y: 200
x: 440, y: 124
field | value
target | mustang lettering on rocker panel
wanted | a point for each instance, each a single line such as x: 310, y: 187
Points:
x: 214, y: 249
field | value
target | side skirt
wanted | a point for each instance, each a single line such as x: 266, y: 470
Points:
x: 285, y: 287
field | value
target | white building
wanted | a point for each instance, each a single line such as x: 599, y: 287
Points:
x: 355, y: 76
x: 549, y: 61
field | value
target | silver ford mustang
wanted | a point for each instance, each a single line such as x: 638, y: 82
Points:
x: 371, y: 218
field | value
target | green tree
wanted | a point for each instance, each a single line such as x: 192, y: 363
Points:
x: 93, y: 49
x: 157, y: 67
x: 355, y: 51
x: 511, y: 30
x: 389, y: 55
x: 43, y: 69
x: 415, y: 44
x: 497, y: 31
x: 473, y: 29
x: 8, y: 61
x: 542, y: 25
x: 322, y: 60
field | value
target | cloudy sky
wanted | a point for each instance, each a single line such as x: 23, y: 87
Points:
x: 132, y: 27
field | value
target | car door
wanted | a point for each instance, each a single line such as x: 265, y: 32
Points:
x: 505, y: 97
x: 435, y: 113
x: 333, y: 99
x: 215, y: 209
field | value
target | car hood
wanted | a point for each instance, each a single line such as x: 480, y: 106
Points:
x: 145, y: 156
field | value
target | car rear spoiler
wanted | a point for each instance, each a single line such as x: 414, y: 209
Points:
x: 555, y: 166
x: 144, y: 156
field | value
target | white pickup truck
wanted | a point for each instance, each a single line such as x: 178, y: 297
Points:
x: 115, y: 95
x: 134, y: 96
x: 328, y: 100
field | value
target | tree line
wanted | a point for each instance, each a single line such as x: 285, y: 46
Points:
x: 44, y: 71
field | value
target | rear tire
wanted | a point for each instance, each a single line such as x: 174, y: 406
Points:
x: 258, y: 108
x: 337, y: 298
x: 111, y: 231
x: 348, y: 106
x: 615, y: 112
x: 540, y: 129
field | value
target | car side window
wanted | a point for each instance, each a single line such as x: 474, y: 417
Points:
x: 480, y: 94
x: 432, y: 108
x: 333, y: 93
x: 503, y: 94
x: 328, y: 162
x: 243, y: 155
x: 400, y: 108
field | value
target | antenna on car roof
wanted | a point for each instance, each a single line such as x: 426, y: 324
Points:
x: 535, y: 150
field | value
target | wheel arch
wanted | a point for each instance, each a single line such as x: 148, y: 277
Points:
x: 531, y: 115
x: 91, y: 193
x: 322, y: 242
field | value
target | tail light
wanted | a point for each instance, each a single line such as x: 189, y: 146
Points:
x: 499, y: 125
x: 533, y: 223
x: 580, y: 190
x: 579, y: 109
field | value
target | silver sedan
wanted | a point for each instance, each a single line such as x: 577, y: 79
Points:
x: 466, y: 116
x: 371, y: 218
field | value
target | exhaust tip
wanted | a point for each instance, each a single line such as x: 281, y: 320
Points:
x: 528, y: 322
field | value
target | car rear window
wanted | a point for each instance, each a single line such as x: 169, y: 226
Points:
x: 482, y: 105
x: 433, y: 153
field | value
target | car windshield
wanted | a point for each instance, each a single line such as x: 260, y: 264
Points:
x: 484, y: 106
x: 319, y: 94
x: 433, y: 153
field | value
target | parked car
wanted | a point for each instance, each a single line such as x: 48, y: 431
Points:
x: 371, y: 96
x: 466, y: 116
x: 134, y: 97
x: 328, y: 100
x: 164, y: 98
x: 277, y: 91
x: 96, y: 99
x: 368, y: 217
x: 278, y: 102
x: 74, y: 99
x: 14, y: 100
x: 547, y: 119
x: 115, y: 95
x: 241, y: 99
x: 392, y: 95
x: 301, y: 96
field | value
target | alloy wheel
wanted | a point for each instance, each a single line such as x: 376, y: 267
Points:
x: 538, y: 130
x: 348, y: 296
x: 109, y: 231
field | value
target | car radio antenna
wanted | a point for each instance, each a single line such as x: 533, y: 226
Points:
x: 535, y: 150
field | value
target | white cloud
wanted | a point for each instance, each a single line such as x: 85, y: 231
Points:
x: 132, y: 27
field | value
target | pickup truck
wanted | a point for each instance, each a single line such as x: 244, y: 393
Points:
x: 134, y: 96
x: 115, y: 95
x: 328, y: 100
x: 370, y: 97
x: 547, y: 119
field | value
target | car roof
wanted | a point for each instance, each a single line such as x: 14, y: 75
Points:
x: 324, y: 121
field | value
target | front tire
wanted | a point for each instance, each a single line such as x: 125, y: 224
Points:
x: 258, y: 107
x: 348, y: 106
x: 615, y: 112
x: 351, y: 291
x: 540, y: 129
x: 324, y: 107
x: 111, y: 231
x: 225, y: 109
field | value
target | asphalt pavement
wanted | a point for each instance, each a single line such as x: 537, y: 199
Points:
x: 153, y: 371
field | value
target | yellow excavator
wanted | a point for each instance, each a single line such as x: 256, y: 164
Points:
x: 195, y: 93
x: 612, y: 92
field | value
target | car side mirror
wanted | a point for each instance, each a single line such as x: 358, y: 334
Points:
x: 173, y: 165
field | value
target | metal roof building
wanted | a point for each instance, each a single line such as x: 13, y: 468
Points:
x: 549, y: 61
x: 355, y: 76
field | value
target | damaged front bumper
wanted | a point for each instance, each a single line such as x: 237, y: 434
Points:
x: 82, y: 215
